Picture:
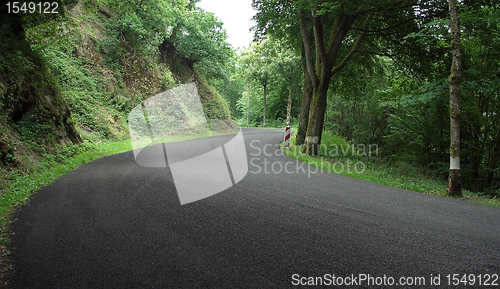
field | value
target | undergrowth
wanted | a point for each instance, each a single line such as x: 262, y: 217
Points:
x: 338, y: 156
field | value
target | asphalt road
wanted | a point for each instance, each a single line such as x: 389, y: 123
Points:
x: 114, y: 224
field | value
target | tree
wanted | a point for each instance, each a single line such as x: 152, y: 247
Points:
x: 248, y: 104
x: 144, y: 24
x: 287, y: 65
x: 336, y: 42
x: 278, y: 19
x: 333, y: 32
x: 455, y: 183
x: 306, y: 103
x: 405, y: 109
x: 257, y: 62
x: 203, y: 41
x: 479, y: 95
x: 271, y: 70
x: 247, y: 73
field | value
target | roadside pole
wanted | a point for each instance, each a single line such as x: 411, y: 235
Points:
x: 288, y: 132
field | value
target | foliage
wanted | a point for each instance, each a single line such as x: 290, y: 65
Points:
x: 203, y: 40
x: 90, y: 70
x: 399, y: 174
x: 214, y: 105
x: 273, y: 66
x: 394, y: 92
x: 232, y: 90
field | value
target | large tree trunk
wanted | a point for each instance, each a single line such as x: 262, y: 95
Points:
x: 306, y: 103
x: 317, y: 116
x: 455, y: 182
x: 315, y: 81
x: 320, y: 116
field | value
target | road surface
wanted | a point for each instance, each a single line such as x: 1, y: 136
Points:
x: 114, y: 224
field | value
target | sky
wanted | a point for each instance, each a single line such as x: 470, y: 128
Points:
x: 236, y: 16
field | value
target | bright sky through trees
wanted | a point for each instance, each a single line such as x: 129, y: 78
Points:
x: 236, y: 16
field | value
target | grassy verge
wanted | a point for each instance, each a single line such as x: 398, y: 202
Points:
x: 21, y: 186
x: 337, y: 156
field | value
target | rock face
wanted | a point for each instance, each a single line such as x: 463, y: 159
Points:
x: 31, y: 107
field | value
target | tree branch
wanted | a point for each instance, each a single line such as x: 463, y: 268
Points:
x: 353, y: 51
x: 376, y: 53
x: 339, y: 37
x: 334, y: 32
x: 350, y: 55
x: 307, y: 47
x: 318, y: 36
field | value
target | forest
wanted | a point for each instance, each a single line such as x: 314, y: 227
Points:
x: 378, y: 72
x: 363, y: 72
x: 417, y: 81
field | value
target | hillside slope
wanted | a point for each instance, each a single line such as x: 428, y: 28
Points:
x: 76, y: 78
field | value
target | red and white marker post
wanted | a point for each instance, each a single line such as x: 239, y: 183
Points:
x: 288, y: 132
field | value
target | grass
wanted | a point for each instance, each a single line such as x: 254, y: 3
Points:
x: 375, y: 169
x: 21, y: 186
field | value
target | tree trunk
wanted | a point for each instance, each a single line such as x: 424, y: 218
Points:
x: 455, y: 182
x: 311, y: 143
x: 320, y: 112
x: 248, y: 105
x: 318, y: 130
x: 317, y: 116
x: 306, y: 103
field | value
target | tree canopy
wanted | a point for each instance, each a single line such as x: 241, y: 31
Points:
x: 367, y: 71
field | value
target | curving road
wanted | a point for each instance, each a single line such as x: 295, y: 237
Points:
x: 114, y: 224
